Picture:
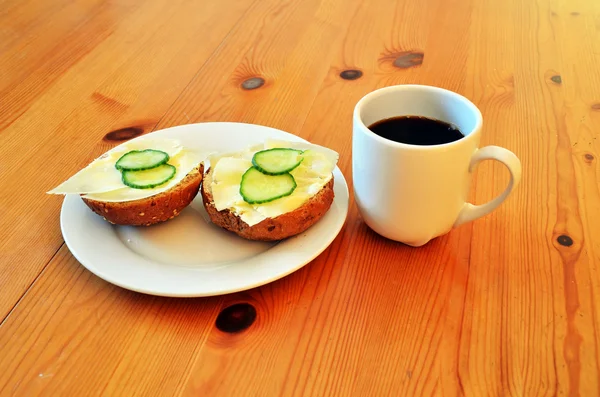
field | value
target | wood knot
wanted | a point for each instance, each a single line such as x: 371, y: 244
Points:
x: 575, y: 13
x: 351, y: 74
x: 588, y: 157
x: 408, y: 59
x: 565, y: 240
x: 253, y: 83
x: 596, y: 106
x: 556, y: 79
x: 510, y: 81
x: 236, y: 318
x: 123, y: 134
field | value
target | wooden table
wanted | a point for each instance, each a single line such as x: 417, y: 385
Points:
x: 506, y: 305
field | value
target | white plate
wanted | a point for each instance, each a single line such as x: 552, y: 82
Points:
x: 188, y: 256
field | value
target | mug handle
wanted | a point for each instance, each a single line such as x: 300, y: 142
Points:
x: 471, y: 212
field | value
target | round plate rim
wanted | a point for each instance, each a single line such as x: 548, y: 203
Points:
x: 340, y: 185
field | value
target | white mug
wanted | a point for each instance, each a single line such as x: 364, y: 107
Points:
x: 412, y: 193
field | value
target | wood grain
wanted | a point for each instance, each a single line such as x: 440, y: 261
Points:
x: 102, y: 92
x: 506, y: 305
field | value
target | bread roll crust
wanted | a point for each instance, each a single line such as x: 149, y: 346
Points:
x: 154, y: 209
x: 270, y: 229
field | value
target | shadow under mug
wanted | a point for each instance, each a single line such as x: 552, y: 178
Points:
x: 411, y: 193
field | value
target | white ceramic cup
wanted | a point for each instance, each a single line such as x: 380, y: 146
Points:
x: 410, y: 193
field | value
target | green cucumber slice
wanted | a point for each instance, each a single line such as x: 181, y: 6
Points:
x: 259, y: 188
x: 277, y: 161
x: 138, y: 160
x: 147, y: 179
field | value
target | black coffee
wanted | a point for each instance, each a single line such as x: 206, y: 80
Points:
x: 416, y: 130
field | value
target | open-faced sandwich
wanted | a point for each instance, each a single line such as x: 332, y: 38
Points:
x: 142, y: 182
x: 270, y: 191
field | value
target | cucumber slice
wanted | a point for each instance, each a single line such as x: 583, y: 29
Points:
x: 138, y: 160
x: 277, y: 161
x: 259, y: 188
x: 147, y: 179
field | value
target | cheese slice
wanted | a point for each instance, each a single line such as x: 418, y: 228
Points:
x: 226, y: 178
x: 100, y: 180
x: 313, y: 173
x: 184, y: 162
